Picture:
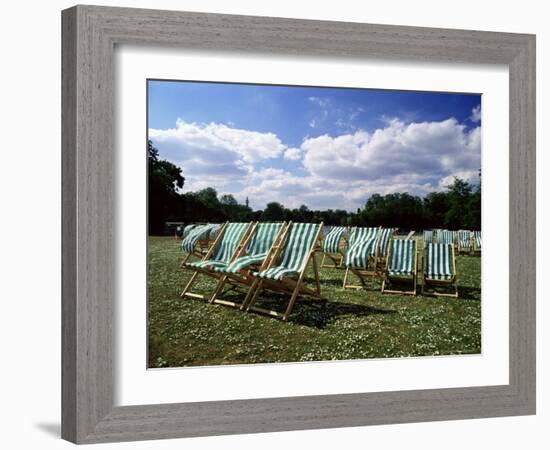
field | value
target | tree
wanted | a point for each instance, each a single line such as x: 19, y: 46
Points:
x: 458, y: 196
x: 164, y: 178
x: 273, y: 212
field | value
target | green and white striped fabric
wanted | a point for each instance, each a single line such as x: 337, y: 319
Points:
x: 402, y: 256
x: 362, y: 233
x: 257, y: 248
x: 357, y: 256
x: 196, y: 234
x: 428, y: 236
x: 439, y: 262
x: 214, y: 230
x: 299, y: 243
x: 232, y: 236
x: 477, y: 239
x: 331, y: 243
x: 445, y: 237
x: 384, y: 238
x: 187, y: 229
x: 464, y: 239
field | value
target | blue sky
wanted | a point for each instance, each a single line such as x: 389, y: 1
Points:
x: 323, y: 147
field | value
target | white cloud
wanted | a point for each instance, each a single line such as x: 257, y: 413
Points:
x: 476, y: 114
x: 400, y: 149
x: 338, y: 172
x: 215, y: 138
x: 312, y: 123
x: 321, y: 102
x: 293, y: 153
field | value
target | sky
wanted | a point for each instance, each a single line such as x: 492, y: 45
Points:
x: 322, y: 147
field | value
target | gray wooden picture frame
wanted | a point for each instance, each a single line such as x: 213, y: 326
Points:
x: 89, y: 35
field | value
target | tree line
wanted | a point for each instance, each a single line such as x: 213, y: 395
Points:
x: 457, y: 207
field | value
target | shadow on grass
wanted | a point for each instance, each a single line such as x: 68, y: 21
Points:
x: 469, y: 293
x: 320, y: 313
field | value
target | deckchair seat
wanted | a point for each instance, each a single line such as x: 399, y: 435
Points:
x: 242, y: 263
x: 401, y: 266
x: 358, y: 254
x: 277, y: 273
x: 439, y: 263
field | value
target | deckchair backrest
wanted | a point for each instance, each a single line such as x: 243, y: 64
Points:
x: 298, y: 244
x: 232, y: 235
x: 384, y: 238
x: 445, y: 237
x: 262, y: 240
x: 428, y: 236
x: 439, y: 262
x: 362, y: 233
x: 402, y: 256
x: 187, y: 229
x: 331, y: 243
x: 215, y: 228
x: 477, y: 239
x: 196, y: 234
x: 464, y: 238
x: 359, y: 252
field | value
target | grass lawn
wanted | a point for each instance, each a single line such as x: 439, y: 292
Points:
x: 351, y: 325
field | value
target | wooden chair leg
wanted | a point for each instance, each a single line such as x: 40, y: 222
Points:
x: 218, y: 289
x: 292, y: 301
x: 316, y: 272
x: 255, y: 296
x: 249, y: 295
x: 344, y: 284
x: 191, y: 281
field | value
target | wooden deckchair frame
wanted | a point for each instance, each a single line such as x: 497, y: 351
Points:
x: 210, y: 272
x: 286, y: 285
x: 451, y: 282
x: 362, y: 273
x: 201, y: 247
x: 337, y: 260
x: 244, y: 277
x: 388, y: 277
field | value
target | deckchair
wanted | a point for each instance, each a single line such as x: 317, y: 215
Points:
x: 187, y: 229
x: 194, y: 242
x: 228, y: 242
x: 445, y: 237
x: 428, y: 236
x: 383, y: 241
x: 464, y: 241
x: 361, y: 255
x: 253, y: 256
x: 439, y: 269
x: 287, y: 268
x: 332, y: 248
x: 476, y: 241
x: 401, y: 266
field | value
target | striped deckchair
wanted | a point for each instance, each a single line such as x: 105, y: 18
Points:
x: 464, y: 241
x: 228, y: 242
x: 361, y: 255
x: 445, y: 237
x: 194, y: 243
x: 382, y: 244
x: 439, y: 268
x: 253, y: 255
x: 401, y: 266
x: 476, y: 241
x: 331, y: 246
x: 287, y: 267
x: 187, y: 229
x: 428, y: 236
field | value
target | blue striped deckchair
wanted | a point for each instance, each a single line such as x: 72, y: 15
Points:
x: 287, y: 267
x: 401, y: 266
x: 331, y: 246
x: 428, y: 236
x: 228, y: 242
x: 361, y: 255
x: 439, y: 268
x: 476, y: 241
x: 253, y: 255
x: 195, y: 242
x: 464, y: 241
